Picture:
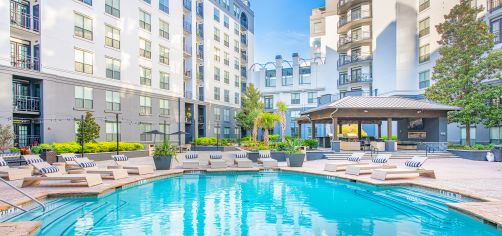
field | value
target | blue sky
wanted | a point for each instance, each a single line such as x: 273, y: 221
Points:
x: 282, y: 27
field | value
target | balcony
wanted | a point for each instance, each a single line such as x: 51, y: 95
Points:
x: 351, y: 41
x: 200, y: 32
x: 26, y: 140
x: 244, y: 73
x: 353, y: 79
x: 244, y: 57
x: 345, y: 60
x: 187, y: 74
x: 187, y: 51
x: 494, y: 5
x: 26, y: 62
x: 244, y: 39
x: 26, y: 104
x: 188, y: 94
x: 187, y: 5
x: 187, y: 27
x: 24, y: 21
x: 345, y: 5
x: 200, y: 53
x: 354, y: 19
x: 200, y: 11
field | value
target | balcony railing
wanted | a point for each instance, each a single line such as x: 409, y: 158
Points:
x: 351, y: 79
x: 187, y: 27
x: 24, y: 21
x: 360, y: 57
x: 187, y: 49
x: 26, y: 63
x: 26, y: 103
x: 26, y: 140
x: 243, y: 72
x: 200, y: 32
x: 244, y: 39
x: 354, y: 16
x: 355, y: 37
x: 200, y: 10
x: 200, y: 53
x: 187, y: 5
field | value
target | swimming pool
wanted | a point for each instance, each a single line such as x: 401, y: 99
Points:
x: 256, y: 203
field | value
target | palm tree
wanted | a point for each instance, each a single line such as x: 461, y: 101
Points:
x: 267, y: 121
x: 256, y: 114
x: 282, y: 108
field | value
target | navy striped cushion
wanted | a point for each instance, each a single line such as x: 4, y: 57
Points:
x: 378, y: 159
x: 354, y: 158
x: 69, y: 157
x: 215, y: 156
x: 120, y: 158
x: 3, y: 162
x: 87, y: 164
x: 35, y: 160
x: 241, y: 155
x: 413, y: 163
x: 49, y: 169
x: 191, y: 155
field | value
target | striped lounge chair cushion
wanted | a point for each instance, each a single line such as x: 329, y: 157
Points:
x: 35, y: 160
x: 87, y: 164
x: 215, y: 156
x: 69, y: 157
x: 379, y: 159
x: 265, y: 155
x: 354, y: 158
x: 241, y: 155
x: 49, y: 169
x: 412, y: 163
x: 120, y: 158
x: 3, y: 162
x: 192, y: 155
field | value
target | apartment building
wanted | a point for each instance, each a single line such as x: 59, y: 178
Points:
x: 159, y: 64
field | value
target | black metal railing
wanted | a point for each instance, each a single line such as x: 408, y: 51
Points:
x: 200, y: 10
x: 356, y: 36
x: 350, y: 79
x: 25, y: 21
x: 359, y: 57
x: 26, y: 103
x: 354, y: 16
x: 26, y: 62
x: 26, y: 140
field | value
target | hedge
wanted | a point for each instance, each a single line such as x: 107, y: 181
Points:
x: 74, y: 147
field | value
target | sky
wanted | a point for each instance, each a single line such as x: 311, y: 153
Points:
x: 282, y: 27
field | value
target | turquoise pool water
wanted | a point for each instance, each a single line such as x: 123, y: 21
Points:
x: 265, y: 203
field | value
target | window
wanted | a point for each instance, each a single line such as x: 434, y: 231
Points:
x: 316, y: 43
x: 226, y: 4
x: 217, y: 113
x: 226, y: 115
x: 145, y: 106
x: 496, y: 135
x: 112, y: 68
x: 226, y: 77
x: 145, y: 48
x: 236, y: 46
x: 216, y: 93
x: 216, y: 34
x: 112, y: 101
x: 226, y: 22
x: 216, y: 15
x: 424, y: 27
x: 83, y: 61
x: 88, y: 2
x: 237, y: 64
x: 463, y: 135
x: 424, y: 79
x: 163, y: 29
x: 165, y: 128
x: 423, y: 4
x: 145, y: 76
x: 295, y: 98
x: 164, y: 5
x: 112, y: 37
x: 312, y: 96
x: 226, y: 95
x: 226, y: 58
x: 148, y: 1
x: 145, y: 21
x: 143, y: 128
x: 164, y: 107
x: 237, y: 98
x: 295, y: 114
x: 237, y: 28
x: 237, y: 82
x: 83, y: 27
x: 112, y: 7
x: 217, y: 56
x: 269, y: 102
x: 83, y: 97
x: 163, y: 55
x: 226, y: 40
x: 305, y: 75
x: 237, y: 11
x: 164, y: 80
x: 496, y: 28
x: 217, y: 74
x: 112, y: 129
x: 317, y: 27
x: 423, y: 53
x: 270, y: 78
x: 287, y: 76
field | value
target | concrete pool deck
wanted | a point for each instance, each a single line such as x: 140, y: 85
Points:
x: 474, y: 179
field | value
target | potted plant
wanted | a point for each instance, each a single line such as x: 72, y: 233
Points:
x: 163, y: 155
x: 294, y: 154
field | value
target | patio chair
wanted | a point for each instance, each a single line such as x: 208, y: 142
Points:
x: 12, y: 173
x: 69, y: 160
x: 53, y: 173
x: 265, y: 158
x: 353, y: 159
x: 122, y: 162
x: 191, y: 160
x: 242, y: 161
x: 412, y: 168
x: 216, y: 160
x: 378, y: 162
x: 90, y: 167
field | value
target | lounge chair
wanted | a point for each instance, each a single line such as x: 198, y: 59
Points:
x: 412, y: 168
x: 353, y: 159
x: 53, y: 173
x: 265, y: 158
x: 69, y: 160
x: 90, y: 167
x: 216, y: 160
x: 378, y: 162
x: 12, y: 173
x: 191, y: 161
x: 122, y: 162
x: 242, y: 161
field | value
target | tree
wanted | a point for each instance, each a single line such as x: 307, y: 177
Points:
x: 90, y: 129
x: 267, y: 121
x: 281, y: 109
x: 6, y: 137
x: 255, y: 114
x: 467, y: 62
x: 250, y: 108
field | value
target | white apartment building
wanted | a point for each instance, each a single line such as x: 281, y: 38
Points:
x: 181, y: 63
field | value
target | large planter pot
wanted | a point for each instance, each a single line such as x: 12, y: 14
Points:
x: 295, y: 160
x: 162, y: 162
x: 279, y: 156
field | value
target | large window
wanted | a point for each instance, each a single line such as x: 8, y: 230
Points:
x: 269, y: 102
x: 145, y: 48
x: 217, y: 74
x: 164, y: 107
x: 226, y: 40
x: 112, y: 68
x: 237, y: 98
x: 145, y: 76
x: 226, y: 95
x: 317, y: 27
x: 112, y: 129
x: 88, y: 2
x: 424, y: 53
x: 216, y: 93
x: 226, y: 77
x: 305, y: 75
x: 145, y: 106
x: 145, y: 20
x: 217, y: 56
x: 463, y: 135
x: 236, y: 46
x: 226, y: 58
x: 287, y: 76
x: 424, y: 27
x: 423, y: 4
x: 163, y: 29
x: 496, y: 135
x: 164, y: 5
x: 270, y: 78
x: 83, y: 97
x: 112, y: 101
x: 312, y: 97
x: 217, y: 113
x: 216, y: 34
x: 164, y: 80
x: 226, y: 115
x: 216, y: 15
x: 112, y: 7
x: 112, y: 37
x: 295, y: 98
x: 237, y: 82
x: 83, y: 27
x: 424, y: 79
x: 163, y: 55
x: 226, y: 22
x: 496, y: 28
x: 143, y: 128
x: 83, y: 61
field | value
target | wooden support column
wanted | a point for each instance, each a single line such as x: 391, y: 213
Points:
x: 335, y: 128
x: 313, y: 129
x: 389, y: 128
x: 359, y: 130
x: 380, y: 130
x: 299, y: 130
x: 340, y: 128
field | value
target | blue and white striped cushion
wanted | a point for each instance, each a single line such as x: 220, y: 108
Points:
x: 378, y: 159
x: 241, y: 155
x: 215, y: 156
x: 354, y: 158
x: 87, y: 164
x: 35, y: 160
x: 191, y: 155
x: 413, y: 163
x: 120, y: 158
x: 3, y: 162
x: 69, y: 157
x: 49, y: 169
x: 265, y: 155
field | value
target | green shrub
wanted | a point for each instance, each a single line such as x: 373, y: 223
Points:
x: 311, y: 143
x: 385, y: 138
x: 273, y: 137
x: 246, y: 139
x: 478, y: 147
x: 74, y: 147
x: 205, y: 141
x: 14, y: 150
x: 227, y: 142
x: 68, y: 147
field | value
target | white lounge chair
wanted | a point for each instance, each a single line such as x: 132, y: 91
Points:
x: 216, y: 160
x: 242, y: 161
x: 191, y: 160
x: 265, y: 158
x: 52, y: 173
x: 377, y: 162
x: 122, y: 162
x: 354, y: 159
x: 412, y: 168
x: 12, y: 173
x: 69, y: 160
x: 90, y: 167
